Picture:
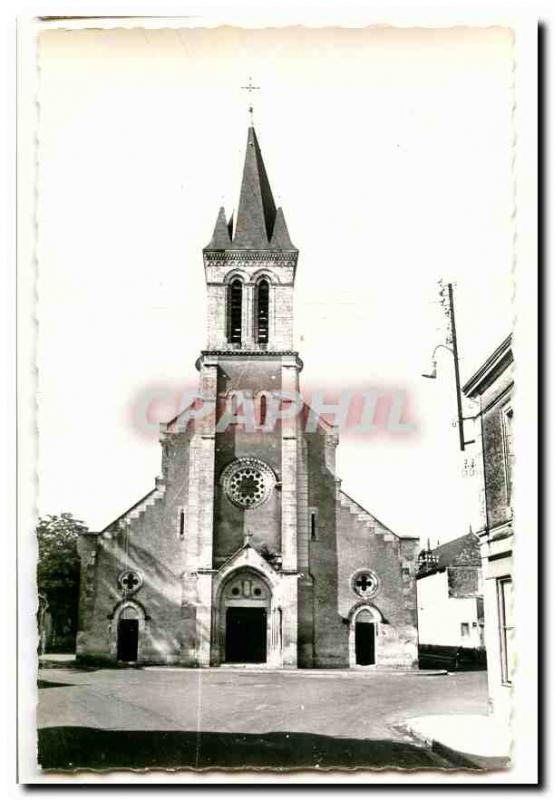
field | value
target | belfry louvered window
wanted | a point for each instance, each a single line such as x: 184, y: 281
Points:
x: 262, y: 312
x: 234, y: 312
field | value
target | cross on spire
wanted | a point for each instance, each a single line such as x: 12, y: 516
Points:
x: 250, y: 88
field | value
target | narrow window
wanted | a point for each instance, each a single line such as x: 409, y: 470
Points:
x: 507, y: 440
x: 313, y: 524
x: 263, y: 409
x: 236, y: 401
x: 234, y: 332
x: 465, y: 628
x: 181, y: 524
x: 262, y: 311
x: 505, y: 623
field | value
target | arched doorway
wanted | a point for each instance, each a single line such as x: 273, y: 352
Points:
x: 128, y: 634
x: 245, y: 619
x: 364, y: 630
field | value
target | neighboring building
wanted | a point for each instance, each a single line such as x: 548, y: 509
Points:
x: 493, y: 386
x: 450, y: 605
x: 247, y: 550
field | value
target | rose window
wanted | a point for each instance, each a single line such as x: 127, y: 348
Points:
x: 365, y: 583
x: 247, y: 482
x: 130, y: 581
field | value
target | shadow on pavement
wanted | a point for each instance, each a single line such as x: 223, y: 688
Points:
x: 73, y: 666
x: 42, y: 684
x: 68, y: 748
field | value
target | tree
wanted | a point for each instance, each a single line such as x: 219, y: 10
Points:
x: 58, y: 576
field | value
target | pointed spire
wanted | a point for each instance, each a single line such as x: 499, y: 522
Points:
x: 280, y: 239
x: 258, y: 225
x: 256, y: 212
x: 221, y: 239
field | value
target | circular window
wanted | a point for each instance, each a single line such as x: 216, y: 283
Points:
x: 365, y: 583
x: 130, y: 581
x: 247, y: 482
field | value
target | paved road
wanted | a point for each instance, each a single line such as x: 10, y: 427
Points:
x: 202, y: 718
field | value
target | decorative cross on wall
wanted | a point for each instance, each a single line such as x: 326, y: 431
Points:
x: 364, y: 583
x: 130, y: 581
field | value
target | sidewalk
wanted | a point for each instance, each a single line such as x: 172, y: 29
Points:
x: 53, y: 660
x: 471, y: 741
x: 69, y: 659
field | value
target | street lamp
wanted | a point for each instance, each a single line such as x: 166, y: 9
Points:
x: 432, y: 374
x: 454, y: 352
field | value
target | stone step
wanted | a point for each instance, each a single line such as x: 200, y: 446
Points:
x: 139, y: 510
x: 365, y: 518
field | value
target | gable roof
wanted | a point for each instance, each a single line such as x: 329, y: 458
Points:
x: 461, y: 552
x: 495, y: 364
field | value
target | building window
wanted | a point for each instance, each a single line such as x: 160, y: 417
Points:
x: 263, y: 409
x: 247, y: 482
x: 464, y: 629
x: 233, y: 405
x: 129, y: 581
x: 262, y: 312
x: 507, y: 441
x: 181, y: 524
x: 313, y: 524
x: 234, y: 312
x: 506, y: 627
x: 365, y: 583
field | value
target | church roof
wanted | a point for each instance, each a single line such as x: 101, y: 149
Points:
x: 461, y: 552
x: 221, y: 239
x: 259, y: 224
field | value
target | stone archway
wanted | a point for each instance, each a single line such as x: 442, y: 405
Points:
x: 127, y: 632
x: 246, y: 627
x: 363, y: 638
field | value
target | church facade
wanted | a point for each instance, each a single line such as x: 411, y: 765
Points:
x: 247, y: 551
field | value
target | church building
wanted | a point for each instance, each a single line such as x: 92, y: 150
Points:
x: 247, y: 551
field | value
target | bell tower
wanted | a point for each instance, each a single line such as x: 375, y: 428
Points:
x: 243, y: 469
x: 250, y: 265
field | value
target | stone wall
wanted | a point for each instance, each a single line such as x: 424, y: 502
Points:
x: 330, y: 633
x: 463, y: 581
x: 493, y: 401
x: 365, y: 543
x: 263, y: 523
x: 151, y: 545
x: 149, y: 539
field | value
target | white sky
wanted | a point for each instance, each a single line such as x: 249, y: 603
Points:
x: 391, y: 153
